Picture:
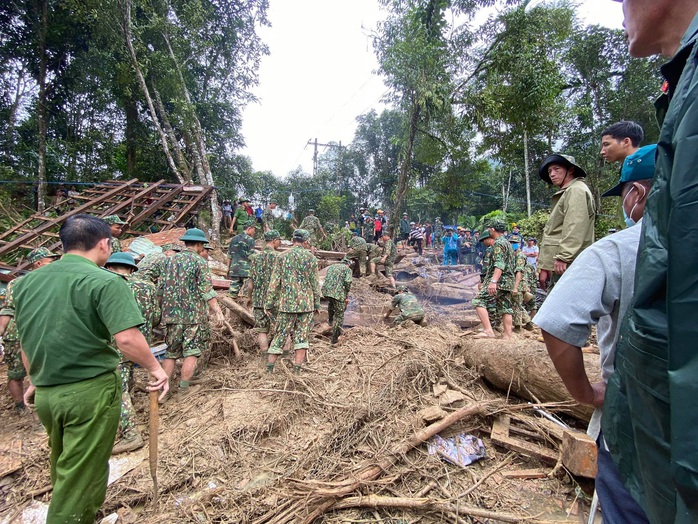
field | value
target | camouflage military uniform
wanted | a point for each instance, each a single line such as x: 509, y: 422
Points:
x: 368, y: 232
x: 13, y: 355
x: 115, y: 245
x: 151, y: 267
x: 372, y: 251
x: 483, y: 298
x: 520, y: 317
x: 410, y: 308
x: 186, y: 291
x: 268, y: 218
x: 336, y: 289
x: 261, y: 267
x: 504, y: 259
x: 438, y: 233
x: 241, y: 246
x: 357, y: 252
x: 294, y: 293
x: 389, y: 251
x: 312, y: 225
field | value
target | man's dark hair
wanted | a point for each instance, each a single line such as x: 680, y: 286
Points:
x: 191, y: 243
x: 83, y: 232
x: 625, y: 129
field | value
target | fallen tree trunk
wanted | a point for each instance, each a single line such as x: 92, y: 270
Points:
x: 377, y: 501
x: 236, y: 308
x: 523, y: 368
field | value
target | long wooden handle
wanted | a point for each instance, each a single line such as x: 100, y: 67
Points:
x: 153, y: 427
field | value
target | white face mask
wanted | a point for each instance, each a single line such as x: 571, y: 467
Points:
x: 629, y: 216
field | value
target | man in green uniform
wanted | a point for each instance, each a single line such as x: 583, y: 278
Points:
x: 438, y: 233
x: 129, y: 437
x: 372, y: 251
x: 520, y: 317
x: 387, y: 258
x: 72, y: 364
x: 409, y: 306
x: 261, y: 267
x: 500, y: 285
x: 357, y: 253
x: 8, y: 331
x: 312, y: 225
x: 117, y: 230
x: 294, y: 292
x: 488, y: 301
x: 241, y: 216
x: 368, y: 232
x: 239, y: 251
x: 152, y: 266
x: 335, y: 289
x: 268, y: 217
x: 186, y: 293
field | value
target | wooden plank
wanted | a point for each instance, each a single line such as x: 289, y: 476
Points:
x: 155, y: 206
x: 194, y: 203
x: 500, y: 436
x: 525, y: 474
x: 143, y: 193
x: 10, y: 457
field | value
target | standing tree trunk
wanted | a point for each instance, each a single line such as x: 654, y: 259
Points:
x: 527, y: 174
x: 126, y: 27
x: 131, y: 110
x: 41, y: 108
x: 405, y: 167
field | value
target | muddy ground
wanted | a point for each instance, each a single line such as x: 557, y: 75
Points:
x: 328, y: 445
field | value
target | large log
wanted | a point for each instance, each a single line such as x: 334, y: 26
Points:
x: 236, y: 308
x: 523, y: 368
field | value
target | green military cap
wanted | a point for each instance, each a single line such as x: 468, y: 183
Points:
x: 485, y: 234
x: 273, y: 201
x: 39, y: 254
x: 249, y: 224
x: 270, y: 235
x: 243, y: 200
x: 113, y: 219
x: 347, y: 261
x: 208, y: 246
x: 194, y: 235
x: 301, y: 234
x: 496, y: 224
x: 402, y: 288
x: 122, y: 259
x: 311, y: 211
x: 172, y: 246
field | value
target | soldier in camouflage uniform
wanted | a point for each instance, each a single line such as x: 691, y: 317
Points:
x: 186, y: 292
x: 500, y: 285
x: 312, y: 225
x: 520, y: 317
x: 268, y: 217
x: 438, y: 233
x: 128, y: 436
x: 261, y: 267
x: 335, y: 289
x: 152, y: 266
x: 372, y: 251
x: 117, y: 229
x: 486, y: 271
x: 239, y: 251
x: 294, y: 293
x: 409, y: 306
x: 357, y: 253
x: 368, y: 232
x: 387, y: 258
x: 8, y: 330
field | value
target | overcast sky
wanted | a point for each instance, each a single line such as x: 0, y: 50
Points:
x: 319, y: 77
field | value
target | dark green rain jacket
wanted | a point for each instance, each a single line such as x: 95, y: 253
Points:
x: 650, y: 420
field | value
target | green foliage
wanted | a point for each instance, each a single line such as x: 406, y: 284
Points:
x: 534, y: 225
x: 329, y: 207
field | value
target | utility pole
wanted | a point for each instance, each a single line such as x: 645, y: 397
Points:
x: 315, y: 145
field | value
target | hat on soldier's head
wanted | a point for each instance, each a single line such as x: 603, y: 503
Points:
x: 172, y: 246
x: 638, y: 166
x: 122, y: 259
x: 244, y: 199
x: 273, y: 201
x: 347, y: 261
x: 401, y: 288
x: 249, y: 224
x: 113, y: 219
x: 301, y: 234
x: 566, y: 161
x: 311, y: 211
x: 485, y: 234
x: 271, y: 235
x: 39, y: 254
x: 208, y: 246
x: 194, y: 235
x: 496, y: 224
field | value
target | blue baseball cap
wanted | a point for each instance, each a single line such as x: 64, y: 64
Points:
x: 638, y: 166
